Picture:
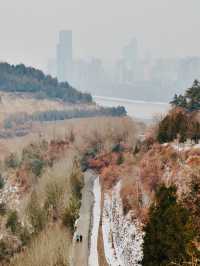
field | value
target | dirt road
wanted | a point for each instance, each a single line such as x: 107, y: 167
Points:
x: 80, y: 251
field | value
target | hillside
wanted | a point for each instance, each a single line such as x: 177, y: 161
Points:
x: 24, y: 79
x: 41, y: 179
x: 144, y: 186
x: 150, y: 209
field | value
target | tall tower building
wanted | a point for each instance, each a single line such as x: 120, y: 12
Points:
x: 130, y: 52
x: 64, y: 56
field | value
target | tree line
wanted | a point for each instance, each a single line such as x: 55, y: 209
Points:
x: 56, y: 115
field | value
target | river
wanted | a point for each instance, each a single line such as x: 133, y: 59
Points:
x: 141, y: 110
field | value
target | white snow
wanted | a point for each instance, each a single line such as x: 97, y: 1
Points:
x: 9, y: 194
x: 93, y: 256
x: 122, y: 235
x: 185, y: 146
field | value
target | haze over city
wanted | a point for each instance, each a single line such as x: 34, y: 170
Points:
x: 100, y: 28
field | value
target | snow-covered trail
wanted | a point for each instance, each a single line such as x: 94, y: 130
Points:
x: 93, y: 255
x: 122, y: 235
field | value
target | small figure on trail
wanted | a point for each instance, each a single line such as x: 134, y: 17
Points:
x: 77, y: 238
x: 81, y: 238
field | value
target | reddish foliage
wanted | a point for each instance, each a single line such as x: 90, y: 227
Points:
x: 193, y: 161
x: 52, y: 152
x: 129, y: 195
x: 154, y: 164
x: 108, y: 167
x: 110, y: 175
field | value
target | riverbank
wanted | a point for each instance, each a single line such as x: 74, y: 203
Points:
x: 141, y: 110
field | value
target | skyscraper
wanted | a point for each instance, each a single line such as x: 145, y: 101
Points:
x: 130, y: 52
x: 64, y: 56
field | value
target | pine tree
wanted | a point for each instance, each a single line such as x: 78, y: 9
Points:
x: 169, y: 232
x: 190, y: 100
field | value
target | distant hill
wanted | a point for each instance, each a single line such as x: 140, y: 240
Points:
x: 24, y: 79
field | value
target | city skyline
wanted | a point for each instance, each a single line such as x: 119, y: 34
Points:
x: 155, y: 78
x: 160, y: 26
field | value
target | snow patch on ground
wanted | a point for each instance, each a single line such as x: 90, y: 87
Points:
x: 93, y: 257
x: 185, y: 146
x: 9, y: 195
x: 122, y: 235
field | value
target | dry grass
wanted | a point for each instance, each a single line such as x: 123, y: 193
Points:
x: 50, y: 248
x: 54, y: 179
x: 87, y: 131
x: 109, y: 131
x: 12, y: 104
x: 52, y: 245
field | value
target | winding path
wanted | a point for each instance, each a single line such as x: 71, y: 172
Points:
x: 80, y: 251
x: 96, y: 214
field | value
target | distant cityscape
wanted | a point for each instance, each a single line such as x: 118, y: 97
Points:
x: 133, y: 76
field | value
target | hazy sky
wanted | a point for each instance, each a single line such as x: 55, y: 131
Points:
x: 29, y: 28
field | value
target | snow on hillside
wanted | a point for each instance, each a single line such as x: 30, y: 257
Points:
x: 9, y: 195
x: 184, y: 146
x: 122, y: 235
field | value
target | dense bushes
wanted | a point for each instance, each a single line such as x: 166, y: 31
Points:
x: 33, y: 159
x: 12, y: 221
x: 172, y: 126
x: 169, y: 231
x: 179, y: 124
x: 24, y: 79
x: 71, y: 213
x: 3, y: 208
x: 182, y: 121
x: 4, y: 251
x: 12, y: 161
x: 2, y: 182
x: 37, y: 216
x: 37, y: 166
x: 192, y: 199
x: 76, y: 180
x: 54, y: 193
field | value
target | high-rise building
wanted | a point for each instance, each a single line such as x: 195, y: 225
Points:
x: 130, y: 52
x: 131, y: 62
x: 64, y: 56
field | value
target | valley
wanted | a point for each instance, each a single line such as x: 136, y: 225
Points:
x: 101, y: 187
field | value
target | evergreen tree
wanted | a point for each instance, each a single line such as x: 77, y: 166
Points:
x: 169, y: 232
x: 192, y: 199
x: 175, y: 100
x: 173, y: 125
x: 190, y: 100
